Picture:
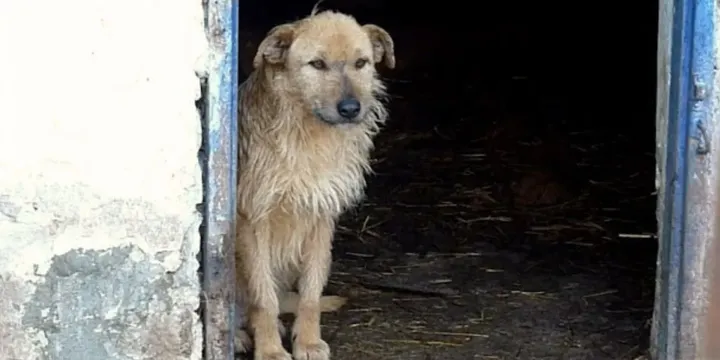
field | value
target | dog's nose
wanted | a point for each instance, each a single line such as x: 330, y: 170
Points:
x: 348, y: 108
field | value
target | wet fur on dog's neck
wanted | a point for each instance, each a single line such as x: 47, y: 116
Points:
x: 305, y: 164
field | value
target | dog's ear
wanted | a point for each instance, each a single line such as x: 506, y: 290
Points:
x: 383, y: 46
x: 273, y: 49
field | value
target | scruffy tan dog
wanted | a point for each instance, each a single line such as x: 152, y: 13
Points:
x: 308, y: 115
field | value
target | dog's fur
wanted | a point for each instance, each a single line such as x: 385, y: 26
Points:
x: 300, y: 166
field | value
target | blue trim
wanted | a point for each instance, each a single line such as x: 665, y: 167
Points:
x: 691, y: 63
x: 220, y: 137
x: 675, y: 181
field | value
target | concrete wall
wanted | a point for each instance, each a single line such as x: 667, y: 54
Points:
x: 99, y: 179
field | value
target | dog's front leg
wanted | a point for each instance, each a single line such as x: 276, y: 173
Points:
x: 307, y: 340
x: 263, y: 303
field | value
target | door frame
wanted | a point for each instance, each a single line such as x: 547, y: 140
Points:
x: 220, y: 140
x: 688, y: 187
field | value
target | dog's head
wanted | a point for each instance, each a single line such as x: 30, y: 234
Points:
x: 329, y: 61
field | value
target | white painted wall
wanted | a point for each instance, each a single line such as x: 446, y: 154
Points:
x: 99, y: 179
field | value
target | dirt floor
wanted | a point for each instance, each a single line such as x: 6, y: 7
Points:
x: 475, y: 244
x: 501, y: 223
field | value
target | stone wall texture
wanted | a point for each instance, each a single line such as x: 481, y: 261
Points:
x: 99, y: 179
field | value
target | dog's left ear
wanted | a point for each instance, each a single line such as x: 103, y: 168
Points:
x: 273, y: 49
x: 383, y: 46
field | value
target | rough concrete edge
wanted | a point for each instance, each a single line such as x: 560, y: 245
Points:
x: 202, y: 72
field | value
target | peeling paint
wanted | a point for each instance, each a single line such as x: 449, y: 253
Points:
x: 123, y: 307
x: 108, y: 225
x: 17, y: 341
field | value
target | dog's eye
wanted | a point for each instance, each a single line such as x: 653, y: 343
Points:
x: 360, y: 63
x: 318, y: 64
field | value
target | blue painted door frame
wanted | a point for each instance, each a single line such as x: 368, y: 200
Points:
x: 220, y: 137
x: 688, y: 193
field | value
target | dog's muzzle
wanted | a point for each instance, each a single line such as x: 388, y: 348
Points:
x: 347, y: 112
x: 348, y: 108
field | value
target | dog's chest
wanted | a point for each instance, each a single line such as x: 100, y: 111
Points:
x: 319, y: 179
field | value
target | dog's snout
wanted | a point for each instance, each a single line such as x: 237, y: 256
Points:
x: 348, y: 108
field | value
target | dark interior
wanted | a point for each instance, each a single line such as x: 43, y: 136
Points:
x: 512, y: 213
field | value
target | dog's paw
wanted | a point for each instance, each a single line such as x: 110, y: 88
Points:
x: 311, y: 351
x: 243, y: 341
x: 273, y: 355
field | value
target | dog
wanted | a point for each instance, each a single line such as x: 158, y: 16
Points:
x: 308, y: 114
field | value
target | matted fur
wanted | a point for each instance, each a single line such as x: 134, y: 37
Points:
x: 297, y: 174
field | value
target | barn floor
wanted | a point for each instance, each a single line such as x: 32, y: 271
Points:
x: 507, y: 219
x: 472, y: 247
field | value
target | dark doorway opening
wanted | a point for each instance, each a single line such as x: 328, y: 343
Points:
x: 512, y: 213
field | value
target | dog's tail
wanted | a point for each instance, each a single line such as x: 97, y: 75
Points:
x: 289, y: 303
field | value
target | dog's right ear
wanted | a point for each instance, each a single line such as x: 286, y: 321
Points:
x: 383, y: 46
x: 273, y: 49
